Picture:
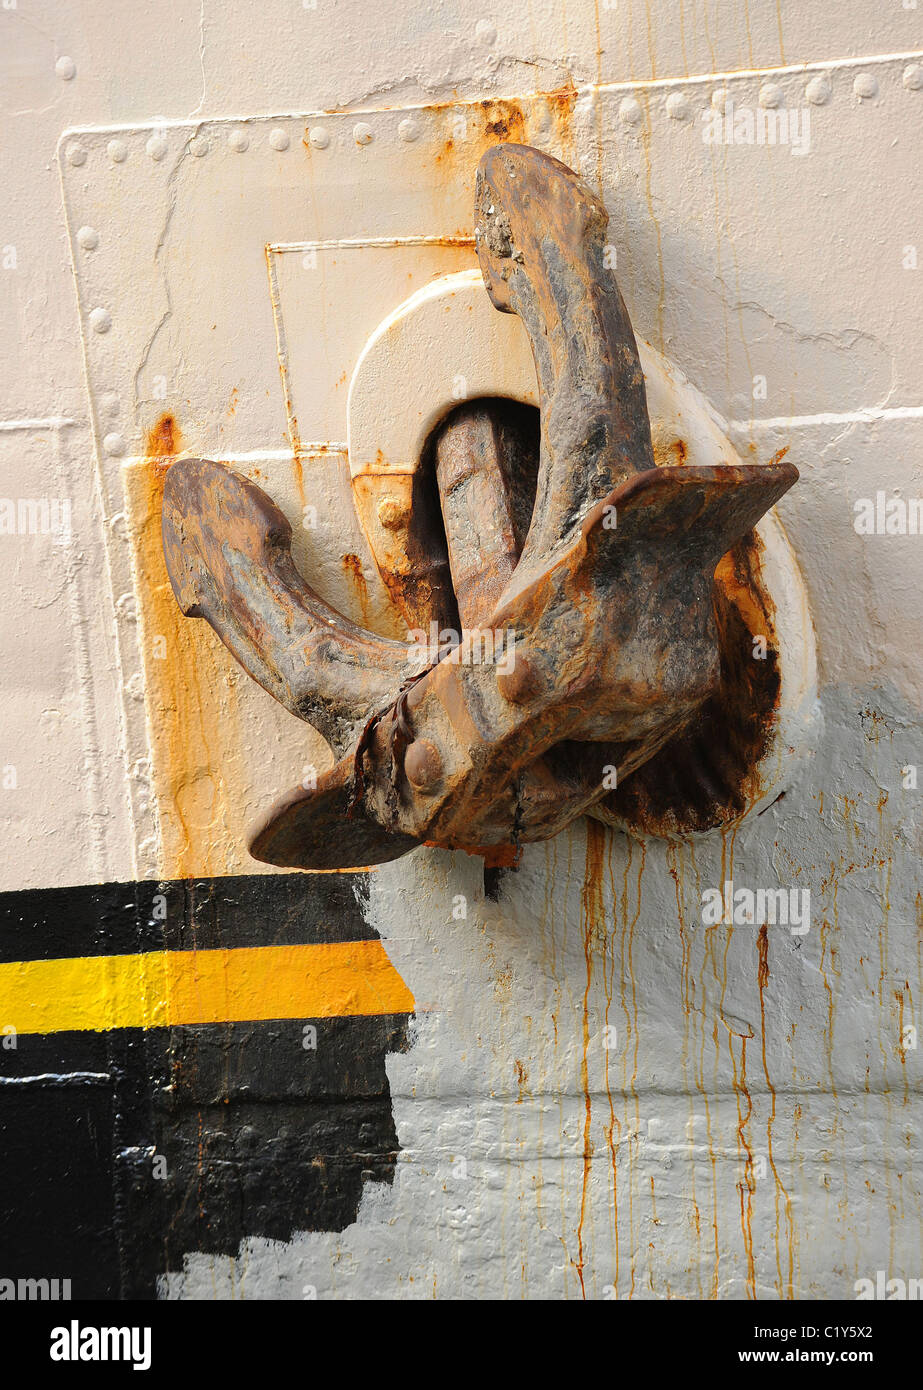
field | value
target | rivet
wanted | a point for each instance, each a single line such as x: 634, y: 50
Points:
x: 198, y: 146
x: 239, y: 140
x: 278, y: 138
x: 100, y: 320
x: 88, y: 238
x: 485, y: 33
x: 114, y: 444
x: 362, y: 133
x: 522, y: 683
x: 630, y: 112
x: 156, y: 147
x: 76, y: 155
x: 720, y: 98
x: 913, y: 77
x: 771, y: 95
x: 319, y: 137
x: 865, y: 86
x: 66, y: 69
x: 423, y: 765
x: 408, y: 130
x: 819, y: 90
x: 677, y: 107
x: 117, y: 151
x: 391, y: 513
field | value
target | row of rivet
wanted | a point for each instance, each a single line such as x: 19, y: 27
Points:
x: 239, y: 141
x: 818, y: 92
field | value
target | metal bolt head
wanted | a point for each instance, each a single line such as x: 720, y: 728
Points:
x: 423, y: 765
x: 523, y: 683
x: 114, y: 444
x: 819, y: 91
x: 391, y: 513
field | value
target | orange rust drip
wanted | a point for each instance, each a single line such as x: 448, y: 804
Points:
x: 608, y: 985
x: 762, y: 946
x: 163, y: 441
x: 786, y: 1283
x: 352, y: 567
x: 593, y: 917
x: 747, y: 1187
x: 189, y: 691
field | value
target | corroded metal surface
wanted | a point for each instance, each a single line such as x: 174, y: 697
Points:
x: 589, y: 635
x: 228, y: 552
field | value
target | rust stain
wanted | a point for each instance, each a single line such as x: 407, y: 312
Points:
x: 562, y: 103
x: 786, y: 1278
x: 504, y: 120
x: 593, y: 920
x: 498, y: 856
x: 627, y: 963
x: 747, y: 1187
x: 163, y: 441
x: 352, y: 568
x: 608, y: 975
x: 763, y: 950
x: 190, y: 689
x: 522, y: 1079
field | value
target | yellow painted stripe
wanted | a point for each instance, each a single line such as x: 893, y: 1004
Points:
x: 159, y: 988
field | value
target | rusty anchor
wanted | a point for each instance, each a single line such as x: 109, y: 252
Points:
x: 589, y: 569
